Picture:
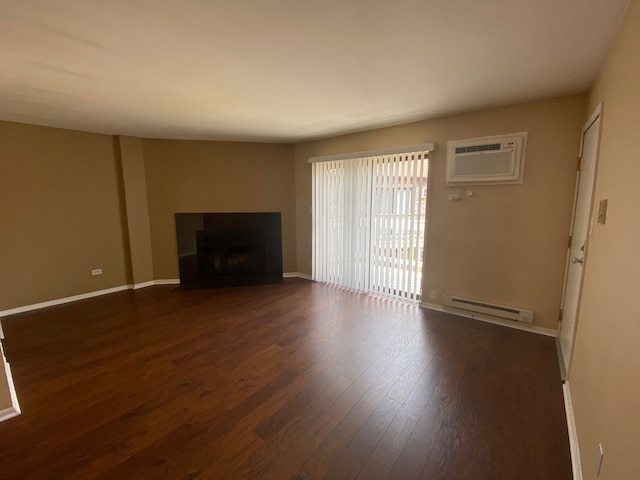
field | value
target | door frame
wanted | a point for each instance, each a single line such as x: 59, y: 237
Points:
x: 597, y: 114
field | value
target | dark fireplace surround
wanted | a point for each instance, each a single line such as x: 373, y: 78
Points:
x: 229, y: 249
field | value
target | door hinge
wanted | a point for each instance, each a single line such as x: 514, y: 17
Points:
x: 579, y: 163
x: 570, y: 241
x: 560, y: 315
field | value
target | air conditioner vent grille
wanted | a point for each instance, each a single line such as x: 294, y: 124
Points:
x: 479, y: 148
x: 478, y: 166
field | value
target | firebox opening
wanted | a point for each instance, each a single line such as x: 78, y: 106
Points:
x: 229, y: 249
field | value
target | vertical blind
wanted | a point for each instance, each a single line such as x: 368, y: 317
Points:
x: 368, y: 223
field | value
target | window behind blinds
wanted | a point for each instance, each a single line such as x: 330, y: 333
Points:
x: 369, y: 223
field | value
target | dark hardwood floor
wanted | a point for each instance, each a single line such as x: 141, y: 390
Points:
x: 293, y: 381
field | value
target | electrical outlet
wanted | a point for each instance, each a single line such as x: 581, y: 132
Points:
x: 434, y: 295
x: 600, y: 459
x: 97, y: 271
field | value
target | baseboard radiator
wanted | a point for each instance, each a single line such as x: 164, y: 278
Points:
x: 501, y: 311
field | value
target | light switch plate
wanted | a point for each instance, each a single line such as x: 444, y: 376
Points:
x: 602, y: 211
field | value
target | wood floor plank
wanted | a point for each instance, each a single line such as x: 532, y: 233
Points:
x: 379, y: 464
x: 295, y: 381
x: 369, y: 397
x: 349, y: 464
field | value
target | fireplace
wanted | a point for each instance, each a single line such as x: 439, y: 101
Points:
x: 229, y: 249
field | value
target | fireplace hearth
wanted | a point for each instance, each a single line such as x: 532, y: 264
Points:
x: 229, y: 249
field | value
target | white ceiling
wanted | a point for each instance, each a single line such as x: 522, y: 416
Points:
x: 288, y: 70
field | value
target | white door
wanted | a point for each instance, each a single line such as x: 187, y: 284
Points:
x: 580, y: 233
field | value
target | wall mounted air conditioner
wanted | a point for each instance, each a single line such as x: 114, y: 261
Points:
x: 493, y: 160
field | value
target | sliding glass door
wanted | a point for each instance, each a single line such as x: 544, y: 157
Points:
x: 369, y: 217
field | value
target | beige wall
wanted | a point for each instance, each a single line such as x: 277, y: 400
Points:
x: 60, y: 214
x: 604, y: 377
x: 506, y: 244
x: 136, y: 208
x: 192, y: 176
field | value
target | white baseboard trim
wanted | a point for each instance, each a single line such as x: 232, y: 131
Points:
x: 296, y: 275
x: 573, y: 434
x: 167, y: 281
x: 83, y: 296
x: 14, y: 409
x: 60, y: 301
x: 8, y: 413
x: 496, y: 321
